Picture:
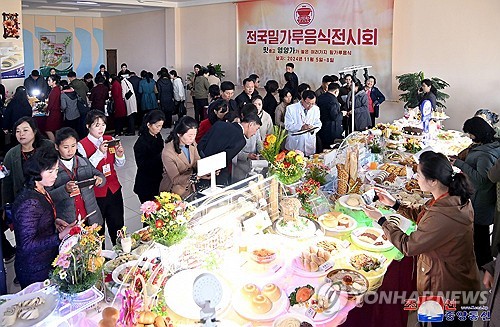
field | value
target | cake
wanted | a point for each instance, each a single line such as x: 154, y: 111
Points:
x: 261, y: 304
x: 249, y: 291
x: 272, y: 292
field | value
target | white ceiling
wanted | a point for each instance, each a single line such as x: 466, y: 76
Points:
x: 104, y: 8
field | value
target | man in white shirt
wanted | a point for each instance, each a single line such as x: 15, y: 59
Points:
x: 302, y: 121
x: 179, y: 95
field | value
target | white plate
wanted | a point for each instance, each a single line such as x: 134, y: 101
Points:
x: 340, y: 245
x: 297, y: 268
x: 343, y: 201
x: 352, y: 225
x: 179, y: 294
x: 299, y: 317
x: 242, y: 308
x: 44, y: 310
x: 385, y: 246
x: 329, y: 314
x: 116, y: 262
x: 121, y: 268
x: 307, y: 229
x: 371, y: 274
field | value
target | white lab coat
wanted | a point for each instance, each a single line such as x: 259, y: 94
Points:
x: 295, y: 118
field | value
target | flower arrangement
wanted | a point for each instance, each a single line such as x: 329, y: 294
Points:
x: 167, y: 217
x: 413, y: 145
x: 79, y: 263
x: 272, y: 144
x: 288, y: 166
x: 305, y: 191
x: 317, y: 171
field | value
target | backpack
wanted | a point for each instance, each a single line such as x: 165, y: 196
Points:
x: 83, y: 108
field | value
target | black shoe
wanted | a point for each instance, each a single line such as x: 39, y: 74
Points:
x: 16, y: 281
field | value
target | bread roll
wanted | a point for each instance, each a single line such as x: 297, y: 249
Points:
x: 249, y: 291
x: 261, y: 304
x: 107, y: 323
x: 110, y: 313
x: 272, y: 292
x: 160, y: 322
x: 146, y: 317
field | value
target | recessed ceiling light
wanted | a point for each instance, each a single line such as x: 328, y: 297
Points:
x: 90, y: 3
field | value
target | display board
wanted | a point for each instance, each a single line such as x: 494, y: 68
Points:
x: 56, y: 51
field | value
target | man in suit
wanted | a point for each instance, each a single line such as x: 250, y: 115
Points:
x: 290, y: 67
x: 330, y: 116
x: 228, y: 137
x: 226, y: 94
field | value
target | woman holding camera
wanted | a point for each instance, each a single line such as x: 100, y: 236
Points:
x: 443, y: 240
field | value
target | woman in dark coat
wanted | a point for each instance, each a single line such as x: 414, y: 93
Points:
x: 166, y: 96
x: 17, y: 108
x: 362, y: 120
x: 270, y: 103
x: 34, y: 215
x: 480, y: 158
x: 55, y: 118
x: 428, y: 92
x: 120, y: 114
x: 147, y: 151
x: 330, y: 115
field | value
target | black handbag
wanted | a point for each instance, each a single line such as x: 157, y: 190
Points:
x: 110, y: 106
x: 83, y: 108
x: 128, y: 95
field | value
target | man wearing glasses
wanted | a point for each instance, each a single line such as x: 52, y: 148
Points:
x: 302, y: 121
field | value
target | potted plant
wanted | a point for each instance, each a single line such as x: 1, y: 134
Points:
x: 410, y: 83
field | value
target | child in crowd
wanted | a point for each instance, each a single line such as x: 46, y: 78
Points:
x: 72, y: 201
x: 105, y: 154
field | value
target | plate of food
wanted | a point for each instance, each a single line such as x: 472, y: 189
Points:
x: 260, y: 304
x: 262, y: 255
x: 351, y: 201
x: 313, y: 262
x: 300, y: 228
x: 332, y: 245
x: 371, y: 265
x: 125, y: 273
x: 349, y: 281
x: 110, y: 266
x: 144, y: 235
x: 337, y: 222
x: 178, y: 293
x: 385, y: 180
x: 398, y: 170
x: 321, y: 304
x: 293, y: 320
x: 371, y: 239
x: 28, y: 309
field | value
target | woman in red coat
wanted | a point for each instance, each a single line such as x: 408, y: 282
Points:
x: 120, y: 114
x: 55, y: 118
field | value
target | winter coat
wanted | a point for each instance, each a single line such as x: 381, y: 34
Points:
x: 98, y: 97
x: 131, y: 102
x: 65, y: 205
x: 80, y: 88
x: 15, y: 109
x: 54, y: 120
x: 119, y: 102
x: 147, y: 92
x: 165, y: 94
x: 177, y: 169
x: 377, y: 99
x: 279, y: 115
x: 241, y: 163
x: 30, y: 84
x: 267, y: 125
x: 69, y: 105
x: 443, y: 243
x: 13, y: 183
x: 331, y: 118
x: 37, y: 241
x: 201, y: 86
x: 147, y: 151
x: 362, y: 120
x: 269, y: 105
x: 478, y: 162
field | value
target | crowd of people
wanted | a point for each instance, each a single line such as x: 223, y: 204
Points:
x: 43, y: 197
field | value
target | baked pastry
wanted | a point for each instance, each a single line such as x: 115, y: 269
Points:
x: 343, y: 179
x: 272, y: 291
x: 28, y: 313
x: 10, y: 316
x: 34, y: 302
x: 261, y: 304
x: 313, y: 258
x: 146, y: 318
x: 107, y: 323
x: 249, y: 291
x: 110, y: 313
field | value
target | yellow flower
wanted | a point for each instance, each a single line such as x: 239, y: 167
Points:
x: 291, y: 154
x: 166, y: 196
x: 271, y: 138
x: 300, y: 159
x: 170, y: 207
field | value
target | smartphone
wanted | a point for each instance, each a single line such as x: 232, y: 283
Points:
x: 113, y: 143
x: 85, y: 182
x: 369, y: 197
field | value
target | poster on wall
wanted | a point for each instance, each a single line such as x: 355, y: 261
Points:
x: 56, y: 51
x: 319, y: 37
x: 11, y: 47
